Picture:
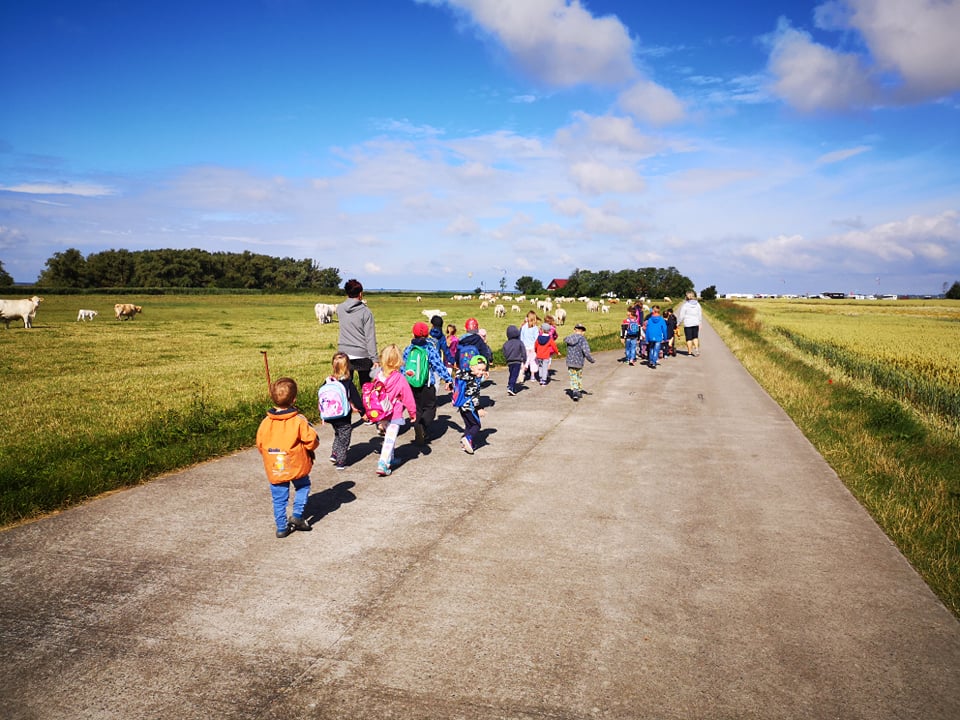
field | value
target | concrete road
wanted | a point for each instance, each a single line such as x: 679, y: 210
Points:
x: 669, y: 547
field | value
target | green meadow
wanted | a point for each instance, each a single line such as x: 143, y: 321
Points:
x: 94, y: 406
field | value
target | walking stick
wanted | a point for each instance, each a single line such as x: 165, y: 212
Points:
x: 266, y: 367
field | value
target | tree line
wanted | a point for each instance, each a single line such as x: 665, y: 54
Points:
x: 192, y: 268
x: 643, y: 282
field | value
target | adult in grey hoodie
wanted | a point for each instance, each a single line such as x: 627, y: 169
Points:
x: 358, y: 334
x: 690, y: 316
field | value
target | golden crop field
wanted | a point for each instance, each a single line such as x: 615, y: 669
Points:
x: 907, y: 347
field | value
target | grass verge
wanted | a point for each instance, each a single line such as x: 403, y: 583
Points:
x: 898, y: 462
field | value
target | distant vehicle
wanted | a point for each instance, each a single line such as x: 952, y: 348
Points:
x: 834, y: 295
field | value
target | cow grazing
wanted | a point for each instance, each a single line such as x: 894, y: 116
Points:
x: 126, y: 311
x: 430, y: 313
x: 499, y: 311
x: 324, y: 312
x: 86, y: 315
x: 593, y: 306
x: 515, y: 308
x: 25, y: 310
x: 561, y: 316
x: 605, y: 308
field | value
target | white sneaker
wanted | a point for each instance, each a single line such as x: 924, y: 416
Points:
x: 467, y: 447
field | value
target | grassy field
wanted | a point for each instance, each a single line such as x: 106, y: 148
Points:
x: 874, y: 386
x: 93, y: 406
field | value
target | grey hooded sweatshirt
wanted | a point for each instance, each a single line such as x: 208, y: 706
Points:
x: 578, y: 349
x: 358, y: 335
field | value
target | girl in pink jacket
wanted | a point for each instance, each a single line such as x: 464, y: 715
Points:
x: 400, y: 395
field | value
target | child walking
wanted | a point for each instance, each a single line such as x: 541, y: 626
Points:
x: 578, y: 350
x: 515, y: 355
x: 545, y: 349
x: 342, y: 426
x: 528, y: 334
x: 286, y: 442
x: 630, y: 335
x: 468, y: 380
x: 423, y: 366
x: 400, y: 396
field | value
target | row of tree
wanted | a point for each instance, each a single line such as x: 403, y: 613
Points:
x: 642, y: 282
x: 192, y: 268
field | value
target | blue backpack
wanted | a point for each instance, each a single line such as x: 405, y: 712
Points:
x: 633, y: 329
x: 465, y: 353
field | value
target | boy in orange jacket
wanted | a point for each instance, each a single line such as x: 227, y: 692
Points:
x: 286, y: 441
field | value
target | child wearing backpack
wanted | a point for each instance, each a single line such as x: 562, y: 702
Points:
x: 515, y: 355
x: 422, y: 367
x: 439, y: 340
x: 286, y: 442
x: 471, y: 369
x: 394, y: 396
x: 630, y: 335
x: 545, y: 349
x: 337, y: 398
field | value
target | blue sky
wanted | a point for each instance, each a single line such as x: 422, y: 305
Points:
x: 773, y: 146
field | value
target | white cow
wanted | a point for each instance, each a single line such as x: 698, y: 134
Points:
x: 605, y: 308
x: 86, y: 315
x: 324, y: 312
x: 515, y: 308
x: 593, y: 306
x: 484, y: 305
x: 25, y: 310
x: 126, y: 311
x: 545, y: 305
x: 561, y: 315
x: 499, y: 311
x: 430, y: 313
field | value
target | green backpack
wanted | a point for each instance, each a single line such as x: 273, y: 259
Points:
x: 417, y: 367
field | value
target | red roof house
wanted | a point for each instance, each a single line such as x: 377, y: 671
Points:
x: 557, y: 284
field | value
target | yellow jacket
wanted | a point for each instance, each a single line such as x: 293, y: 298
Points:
x: 286, y: 441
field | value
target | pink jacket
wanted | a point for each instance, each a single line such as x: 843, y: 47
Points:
x: 400, y: 394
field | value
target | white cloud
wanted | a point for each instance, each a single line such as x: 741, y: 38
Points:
x: 920, y: 243
x: 909, y: 55
x: 917, y: 40
x: 80, y: 189
x: 589, y: 134
x: 556, y: 41
x: 651, y: 103
x: 594, y: 178
x: 810, y: 76
x: 372, y: 268
x: 701, y: 180
x: 841, y: 155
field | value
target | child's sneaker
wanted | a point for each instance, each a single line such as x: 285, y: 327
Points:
x: 510, y: 392
x: 339, y: 467
x: 467, y: 447
x: 383, y: 469
x: 333, y: 459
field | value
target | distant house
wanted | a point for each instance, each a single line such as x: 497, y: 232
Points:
x: 557, y: 284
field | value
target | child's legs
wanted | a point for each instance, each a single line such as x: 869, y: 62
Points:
x: 654, y: 352
x: 531, y: 363
x: 471, y: 425
x: 631, y: 349
x: 280, y: 493
x: 389, y: 440
x: 426, y: 401
x: 544, y: 369
x: 576, y: 378
x: 342, y: 433
x: 301, y: 488
x: 514, y: 369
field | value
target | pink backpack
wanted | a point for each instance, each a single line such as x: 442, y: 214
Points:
x: 376, y: 404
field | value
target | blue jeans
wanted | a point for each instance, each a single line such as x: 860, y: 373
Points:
x: 514, y: 369
x: 281, y: 494
x: 653, y: 348
x: 630, y: 344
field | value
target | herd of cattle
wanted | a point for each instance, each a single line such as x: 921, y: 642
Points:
x: 26, y: 310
